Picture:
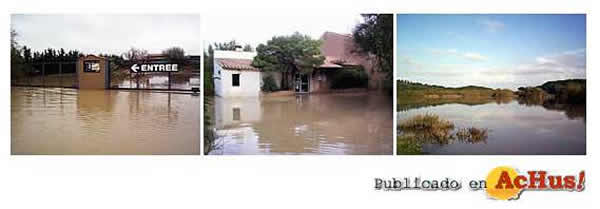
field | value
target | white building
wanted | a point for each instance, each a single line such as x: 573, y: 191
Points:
x: 234, y: 75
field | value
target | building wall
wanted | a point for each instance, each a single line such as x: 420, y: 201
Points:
x: 250, y: 82
x: 91, y: 80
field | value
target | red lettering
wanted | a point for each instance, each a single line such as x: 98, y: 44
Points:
x: 519, y: 182
x: 504, y: 180
x: 540, y: 178
x: 556, y: 182
x: 569, y: 182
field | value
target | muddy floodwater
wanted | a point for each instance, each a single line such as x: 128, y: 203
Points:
x: 305, y: 124
x: 71, y: 121
x: 513, y: 127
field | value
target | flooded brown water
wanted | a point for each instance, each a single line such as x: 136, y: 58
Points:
x: 71, y: 121
x: 307, y: 124
x: 514, y: 127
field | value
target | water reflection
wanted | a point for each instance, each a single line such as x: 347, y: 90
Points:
x: 159, y: 81
x: 512, y: 127
x: 70, y: 121
x: 317, y: 124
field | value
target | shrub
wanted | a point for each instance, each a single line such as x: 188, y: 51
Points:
x: 269, y: 84
x: 350, y: 78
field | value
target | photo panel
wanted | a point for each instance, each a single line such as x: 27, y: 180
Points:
x: 491, y: 84
x: 105, y: 84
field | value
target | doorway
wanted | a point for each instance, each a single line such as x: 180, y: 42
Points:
x: 301, y: 83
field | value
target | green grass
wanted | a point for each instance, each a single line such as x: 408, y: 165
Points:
x: 426, y: 121
x: 431, y: 129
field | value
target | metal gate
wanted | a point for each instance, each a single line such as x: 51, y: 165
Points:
x: 47, y: 74
x: 120, y: 76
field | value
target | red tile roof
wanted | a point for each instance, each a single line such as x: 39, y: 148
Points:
x: 236, y: 64
x: 338, y: 50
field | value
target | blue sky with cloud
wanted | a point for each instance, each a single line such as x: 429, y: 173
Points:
x: 498, y: 51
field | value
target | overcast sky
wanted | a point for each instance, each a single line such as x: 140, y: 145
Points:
x: 498, y: 51
x: 259, y: 28
x: 93, y: 34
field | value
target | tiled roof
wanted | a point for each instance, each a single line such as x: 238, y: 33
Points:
x: 337, y: 49
x: 236, y: 64
x: 334, y: 62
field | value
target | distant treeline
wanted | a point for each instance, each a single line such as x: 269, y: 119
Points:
x: 563, y: 91
x: 571, y: 91
x: 408, y: 88
x: 49, y: 55
x: 25, y: 62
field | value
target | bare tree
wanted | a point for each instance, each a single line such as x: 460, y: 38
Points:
x: 174, y: 53
x: 135, y: 54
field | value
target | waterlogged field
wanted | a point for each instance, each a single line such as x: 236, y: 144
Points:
x: 306, y: 124
x: 488, y: 126
x: 71, y: 121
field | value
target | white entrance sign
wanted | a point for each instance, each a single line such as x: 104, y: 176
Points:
x: 142, y: 68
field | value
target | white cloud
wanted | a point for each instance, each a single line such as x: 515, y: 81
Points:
x: 492, y: 25
x: 544, y: 60
x: 475, y: 56
x: 468, y: 55
x: 409, y: 61
x: 563, y: 65
x: 444, y: 51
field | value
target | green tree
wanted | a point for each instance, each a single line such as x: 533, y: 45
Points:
x: 289, y: 55
x: 226, y: 46
x: 17, y: 61
x: 375, y: 36
x: 209, y: 89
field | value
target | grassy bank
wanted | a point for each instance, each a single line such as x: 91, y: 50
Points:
x: 423, y: 129
x: 407, y: 88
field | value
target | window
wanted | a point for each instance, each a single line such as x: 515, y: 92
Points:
x: 91, y: 66
x: 237, y: 114
x: 235, y: 78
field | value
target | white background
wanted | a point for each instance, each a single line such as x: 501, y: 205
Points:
x: 277, y: 181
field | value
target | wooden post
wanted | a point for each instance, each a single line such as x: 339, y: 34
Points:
x: 169, y: 73
x: 43, y: 74
x: 60, y: 74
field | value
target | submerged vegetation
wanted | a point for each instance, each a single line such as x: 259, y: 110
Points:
x: 428, y: 128
x: 426, y: 121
